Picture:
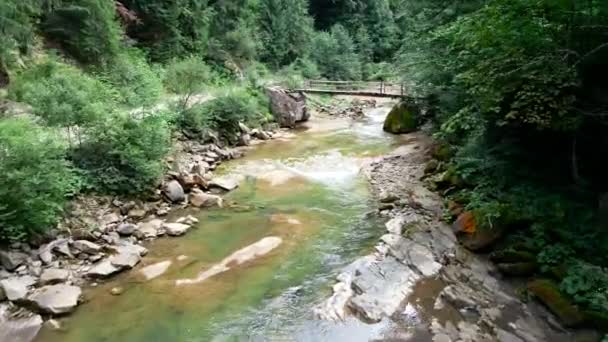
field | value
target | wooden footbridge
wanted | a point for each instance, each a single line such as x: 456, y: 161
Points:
x: 358, y: 88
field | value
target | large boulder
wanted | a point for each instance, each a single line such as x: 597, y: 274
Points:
x: 174, y: 191
x: 288, y: 109
x: 401, y: 119
x: 56, y: 299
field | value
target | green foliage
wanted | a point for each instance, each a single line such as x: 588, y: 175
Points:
x: 63, y: 95
x: 16, y: 29
x: 334, y: 53
x: 286, y: 30
x: 587, y: 285
x: 124, y: 155
x: 224, y: 113
x: 170, y: 29
x: 87, y: 29
x: 187, y: 77
x: 137, y: 84
x: 36, y: 179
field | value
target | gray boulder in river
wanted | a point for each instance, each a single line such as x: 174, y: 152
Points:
x: 287, y: 109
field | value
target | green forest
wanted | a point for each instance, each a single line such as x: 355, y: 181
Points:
x: 516, y: 90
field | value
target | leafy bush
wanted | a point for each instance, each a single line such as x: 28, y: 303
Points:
x: 587, y: 285
x: 137, y: 84
x: 36, y: 179
x: 124, y: 155
x: 63, y: 95
x: 87, y: 29
x: 224, y: 113
x: 187, y: 77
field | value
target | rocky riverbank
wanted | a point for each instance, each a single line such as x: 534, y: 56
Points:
x: 421, y: 279
x: 104, y: 236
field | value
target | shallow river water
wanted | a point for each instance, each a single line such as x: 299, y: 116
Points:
x: 305, y: 190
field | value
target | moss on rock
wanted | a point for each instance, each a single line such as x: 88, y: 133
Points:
x: 549, y: 294
x: 401, y: 119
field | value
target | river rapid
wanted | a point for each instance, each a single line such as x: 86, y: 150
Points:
x: 256, y: 269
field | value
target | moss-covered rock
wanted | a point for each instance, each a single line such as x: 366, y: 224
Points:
x: 473, y: 236
x: 547, y: 292
x: 401, y: 119
x: 518, y: 269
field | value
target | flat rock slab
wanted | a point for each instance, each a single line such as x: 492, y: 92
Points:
x: 102, y: 269
x: 16, y: 288
x: 381, y: 288
x: 225, y: 183
x: 56, y: 299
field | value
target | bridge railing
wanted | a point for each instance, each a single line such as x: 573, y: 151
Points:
x: 371, y: 87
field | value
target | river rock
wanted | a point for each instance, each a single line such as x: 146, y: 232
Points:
x: 51, y: 276
x: 126, y: 255
x: 287, y: 109
x: 102, y: 269
x: 174, y: 191
x: 16, y: 288
x: 136, y: 213
x: 12, y: 259
x: 148, y: 229
x: 56, y: 299
x: 225, y: 183
x: 45, y: 255
x: 155, y: 270
x: 110, y: 218
x: 244, y: 139
x: 401, y: 119
x: 23, y: 329
x: 86, y: 246
x: 200, y: 199
x: 126, y: 229
x: 176, y: 229
x: 549, y: 294
x: 117, y: 291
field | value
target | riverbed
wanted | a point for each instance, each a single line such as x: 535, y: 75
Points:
x: 304, y: 190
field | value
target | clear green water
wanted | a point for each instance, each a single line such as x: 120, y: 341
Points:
x: 311, y: 179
